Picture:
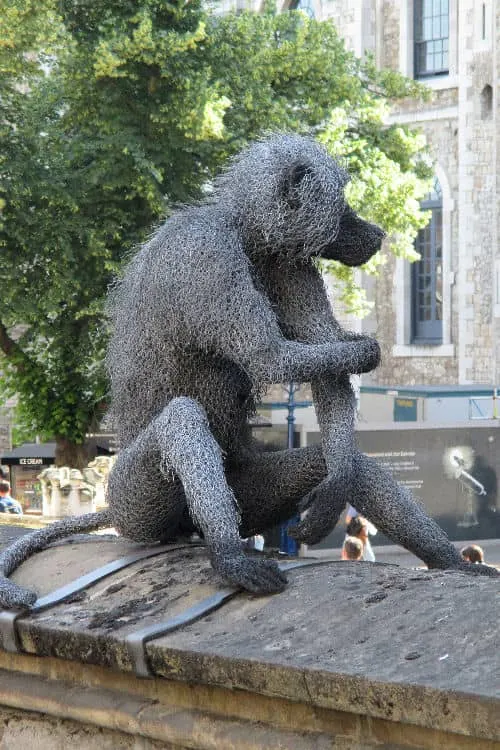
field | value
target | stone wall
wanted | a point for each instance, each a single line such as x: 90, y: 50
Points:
x: 463, y: 135
x: 351, y: 656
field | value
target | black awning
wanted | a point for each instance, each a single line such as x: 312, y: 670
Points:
x: 30, y: 454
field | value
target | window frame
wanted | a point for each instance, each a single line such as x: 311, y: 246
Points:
x: 420, y: 39
x: 429, y: 332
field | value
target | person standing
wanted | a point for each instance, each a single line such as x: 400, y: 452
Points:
x: 352, y: 548
x: 7, y: 503
x: 359, y: 527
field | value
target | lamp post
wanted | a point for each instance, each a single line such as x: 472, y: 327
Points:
x: 288, y: 545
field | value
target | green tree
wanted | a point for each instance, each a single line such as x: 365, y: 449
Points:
x: 125, y: 108
x: 92, y: 148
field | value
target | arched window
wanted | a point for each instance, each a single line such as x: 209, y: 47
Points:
x: 306, y: 6
x: 427, y: 275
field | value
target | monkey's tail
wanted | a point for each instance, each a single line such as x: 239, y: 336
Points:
x: 13, y: 596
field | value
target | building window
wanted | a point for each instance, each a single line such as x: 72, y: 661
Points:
x: 431, y: 20
x: 427, y: 275
x: 486, y: 102
x: 306, y: 6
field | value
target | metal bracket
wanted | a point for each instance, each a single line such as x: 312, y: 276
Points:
x: 8, y: 618
x: 8, y: 630
x: 136, y: 641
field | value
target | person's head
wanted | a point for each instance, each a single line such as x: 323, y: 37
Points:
x: 358, y: 527
x: 473, y: 553
x: 4, y: 488
x: 353, y: 548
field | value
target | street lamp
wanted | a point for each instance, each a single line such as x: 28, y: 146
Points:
x: 288, y: 545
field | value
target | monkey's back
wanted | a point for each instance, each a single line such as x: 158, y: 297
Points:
x: 156, y: 353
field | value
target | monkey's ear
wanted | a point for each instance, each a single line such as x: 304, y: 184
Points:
x: 290, y: 182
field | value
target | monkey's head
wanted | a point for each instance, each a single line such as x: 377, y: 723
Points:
x: 287, y: 193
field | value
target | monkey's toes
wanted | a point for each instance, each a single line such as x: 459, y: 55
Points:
x: 255, y: 575
x: 13, y: 596
x: 478, y: 569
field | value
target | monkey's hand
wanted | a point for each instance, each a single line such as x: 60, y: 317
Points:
x: 260, y: 576
x: 323, y: 505
x: 365, y: 355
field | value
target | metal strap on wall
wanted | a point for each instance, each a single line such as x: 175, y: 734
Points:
x: 8, y: 618
x: 136, y: 641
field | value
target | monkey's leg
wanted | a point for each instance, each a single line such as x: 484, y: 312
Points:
x: 393, y: 510
x: 269, y: 486
x: 180, y: 442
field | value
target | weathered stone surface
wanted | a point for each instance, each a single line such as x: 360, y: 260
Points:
x: 18, y: 730
x: 403, y: 645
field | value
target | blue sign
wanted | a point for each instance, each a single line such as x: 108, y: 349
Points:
x: 405, y: 409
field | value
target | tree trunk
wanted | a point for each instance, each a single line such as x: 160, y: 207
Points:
x: 74, y: 455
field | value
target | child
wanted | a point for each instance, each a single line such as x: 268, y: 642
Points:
x: 352, y: 548
x: 359, y: 527
x: 7, y: 503
x: 351, y: 514
x: 474, y: 553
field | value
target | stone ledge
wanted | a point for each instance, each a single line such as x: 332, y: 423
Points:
x: 376, y: 643
x: 28, y: 521
x: 92, y: 699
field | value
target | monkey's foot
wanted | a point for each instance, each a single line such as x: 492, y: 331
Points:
x: 253, y: 574
x: 477, y: 569
x: 323, y: 505
x: 13, y: 596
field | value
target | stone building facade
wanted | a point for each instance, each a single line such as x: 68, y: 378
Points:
x: 438, y: 322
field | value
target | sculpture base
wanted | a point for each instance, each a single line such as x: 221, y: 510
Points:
x: 351, y: 655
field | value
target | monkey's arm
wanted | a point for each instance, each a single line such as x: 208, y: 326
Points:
x: 235, y: 319
x: 305, y: 313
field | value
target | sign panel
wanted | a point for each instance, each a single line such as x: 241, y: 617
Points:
x: 452, y: 471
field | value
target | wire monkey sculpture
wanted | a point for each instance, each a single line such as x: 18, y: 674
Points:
x: 224, y: 300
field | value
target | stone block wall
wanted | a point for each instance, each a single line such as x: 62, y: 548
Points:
x: 351, y: 656
x: 462, y: 126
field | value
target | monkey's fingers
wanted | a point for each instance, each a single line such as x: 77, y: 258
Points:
x: 308, y: 531
x: 315, y: 526
x: 13, y: 596
x: 330, y: 493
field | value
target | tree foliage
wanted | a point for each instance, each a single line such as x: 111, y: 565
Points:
x: 112, y: 112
